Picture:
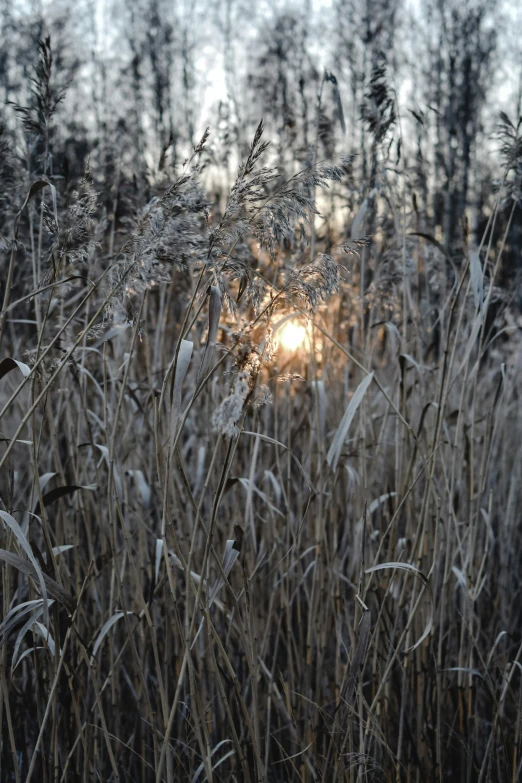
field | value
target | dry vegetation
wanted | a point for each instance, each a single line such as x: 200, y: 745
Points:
x: 227, y: 558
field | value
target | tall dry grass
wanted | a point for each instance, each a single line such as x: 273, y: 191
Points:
x: 225, y: 558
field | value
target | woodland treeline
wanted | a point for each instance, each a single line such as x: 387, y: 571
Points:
x: 415, y: 89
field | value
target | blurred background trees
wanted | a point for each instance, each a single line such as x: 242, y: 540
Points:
x: 139, y: 82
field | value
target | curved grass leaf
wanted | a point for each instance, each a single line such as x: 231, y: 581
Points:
x: 59, y: 492
x: 15, y: 616
x: 27, y: 568
x: 21, y: 634
x: 24, y: 544
x: 105, y: 630
x: 8, y: 364
x: 342, y: 430
x: 425, y: 582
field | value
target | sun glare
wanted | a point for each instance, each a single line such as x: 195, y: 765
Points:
x: 292, y: 336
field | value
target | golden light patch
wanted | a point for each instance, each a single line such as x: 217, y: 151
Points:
x: 292, y: 336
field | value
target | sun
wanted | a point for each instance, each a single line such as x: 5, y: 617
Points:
x: 292, y: 336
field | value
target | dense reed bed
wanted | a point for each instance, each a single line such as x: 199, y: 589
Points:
x: 260, y: 477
